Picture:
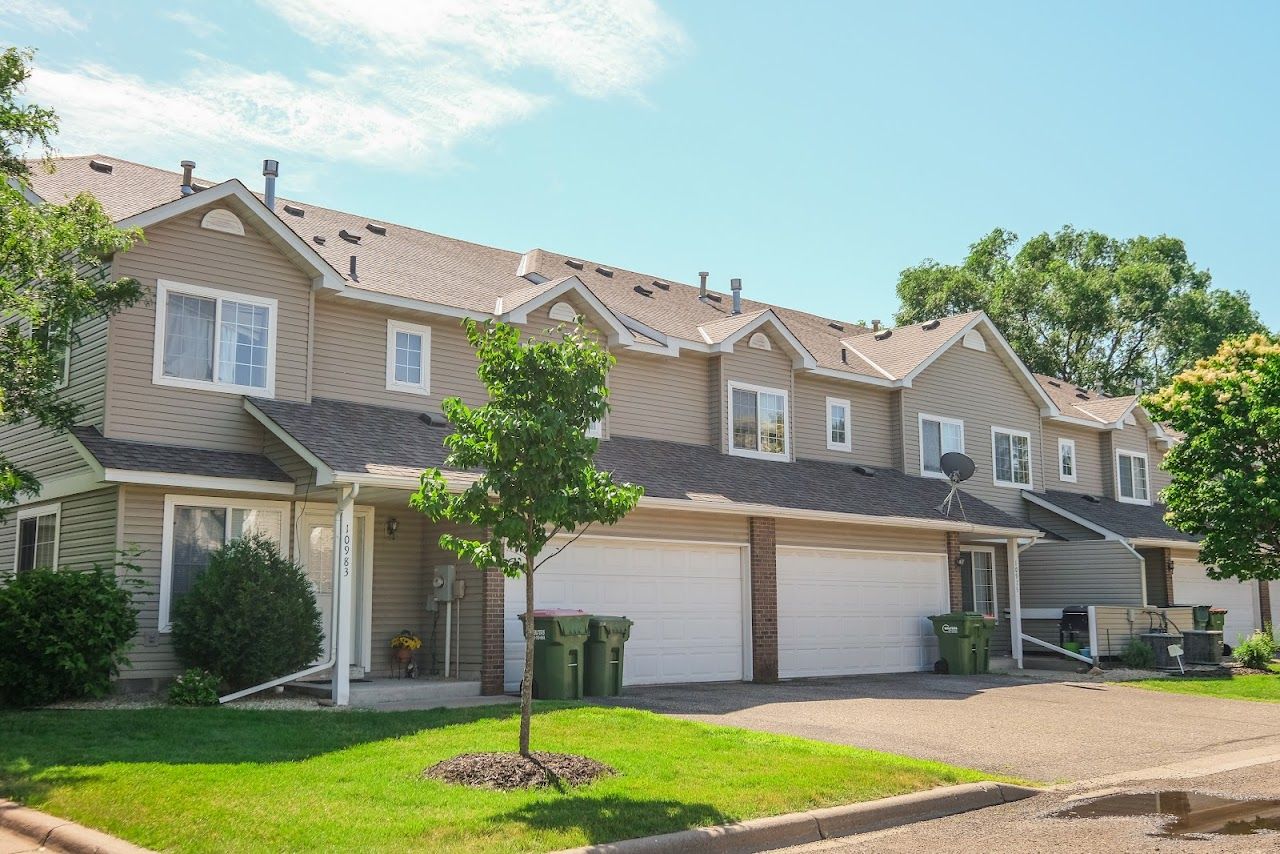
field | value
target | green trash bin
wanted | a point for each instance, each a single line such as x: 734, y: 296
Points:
x: 1217, y: 619
x: 558, y: 639
x: 1200, y: 618
x: 963, y: 641
x: 606, y: 639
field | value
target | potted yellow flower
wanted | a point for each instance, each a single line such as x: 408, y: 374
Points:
x: 403, y: 645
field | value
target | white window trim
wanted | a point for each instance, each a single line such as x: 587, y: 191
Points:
x: 920, y: 419
x: 1075, y: 462
x: 847, y: 444
x: 595, y: 430
x: 424, y: 387
x: 1146, y: 467
x: 786, y: 432
x: 27, y: 513
x: 995, y: 471
x: 995, y: 578
x: 166, y: 537
x: 158, y: 377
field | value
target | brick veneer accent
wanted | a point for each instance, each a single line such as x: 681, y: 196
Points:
x: 1264, y: 603
x: 764, y: 599
x: 491, y: 608
x: 953, y: 571
x: 1166, y: 559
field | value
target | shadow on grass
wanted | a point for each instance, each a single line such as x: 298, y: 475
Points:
x: 611, y: 818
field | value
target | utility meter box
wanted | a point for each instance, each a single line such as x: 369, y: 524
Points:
x: 443, y: 583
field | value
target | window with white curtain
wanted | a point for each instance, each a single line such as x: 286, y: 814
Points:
x: 1011, y: 452
x: 213, y: 339
x: 37, y: 541
x: 938, y: 436
x: 1131, y: 474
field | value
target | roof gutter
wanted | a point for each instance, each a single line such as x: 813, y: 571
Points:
x: 1158, y: 543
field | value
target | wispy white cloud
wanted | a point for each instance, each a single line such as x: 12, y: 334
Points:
x: 402, y: 85
x: 194, y: 24
x: 40, y: 15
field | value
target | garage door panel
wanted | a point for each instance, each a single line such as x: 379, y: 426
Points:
x: 1192, y: 586
x: 685, y: 599
x: 843, y: 612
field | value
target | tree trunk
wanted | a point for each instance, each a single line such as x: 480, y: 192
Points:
x: 526, y: 683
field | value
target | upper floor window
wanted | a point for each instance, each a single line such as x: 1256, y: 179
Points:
x: 1067, y: 460
x: 758, y: 422
x: 408, y: 357
x: 58, y: 346
x: 37, y: 537
x: 1011, y: 451
x: 938, y: 436
x: 1131, y: 474
x: 838, y: 438
x: 595, y: 430
x: 213, y: 339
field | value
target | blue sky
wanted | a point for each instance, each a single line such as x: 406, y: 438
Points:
x: 812, y: 149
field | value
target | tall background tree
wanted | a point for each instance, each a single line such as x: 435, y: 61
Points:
x: 530, y: 444
x: 1225, y: 473
x: 1092, y: 309
x: 54, y: 274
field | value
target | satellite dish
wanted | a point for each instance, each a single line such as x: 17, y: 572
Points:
x: 956, y: 466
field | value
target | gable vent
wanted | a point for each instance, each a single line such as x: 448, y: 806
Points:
x: 294, y: 211
x: 931, y: 325
x: 575, y: 263
x: 883, y: 335
x: 864, y: 471
x: 642, y: 291
x: 662, y: 286
x: 99, y: 166
x: 318, y: 239
x: 605, y: 271
x: 838, y: 327
x: 380, y: 230
x: 348, y: 236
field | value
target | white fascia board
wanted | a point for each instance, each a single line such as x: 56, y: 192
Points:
x: 411, y: 304
x: 849, y: 376
x: 1098, y: 424
x: 325, y: 275
x: 654, y: 349
x: 644, y: 329
x: 60, y: 486
x: 198, y: 481
x: 621, y: 334
x: 324, y: 474
x: 847, y: 343
x: 1157, y: 543
x: 31, y: 196
x: 806, y: 359
x: 1106, y: 533
x: 85, y: 455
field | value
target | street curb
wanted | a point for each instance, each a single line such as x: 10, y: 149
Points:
x: 58, y: 834
x: 799, y: 828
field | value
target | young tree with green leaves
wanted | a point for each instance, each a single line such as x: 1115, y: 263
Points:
x: 54, y: 273
x: 529, y: 443
x: 1225, y: 473
x: 1091, y: 309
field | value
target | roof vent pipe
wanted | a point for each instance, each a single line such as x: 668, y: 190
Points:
x: 875, y: 326
x: 354, y: 277
x: 735, y: 285
x: 702, y: 288
x: 187, y: 167
x: 270, y: 171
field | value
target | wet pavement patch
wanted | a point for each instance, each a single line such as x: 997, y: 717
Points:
x: 1186, y: 813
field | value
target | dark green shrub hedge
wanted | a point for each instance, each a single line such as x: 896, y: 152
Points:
x: 195, y: 687
x: 64, y: 633
x: 1138, y: 655
x: 249, y: 617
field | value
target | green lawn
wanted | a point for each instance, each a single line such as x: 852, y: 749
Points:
x: 1258, y: 687
x: 241, y: 780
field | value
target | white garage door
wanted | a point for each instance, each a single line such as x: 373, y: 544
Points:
x: 842, y: 612
x: 686, y: 601
x: 1192, y: 587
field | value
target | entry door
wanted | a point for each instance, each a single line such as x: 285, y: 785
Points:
x: 314, y: 543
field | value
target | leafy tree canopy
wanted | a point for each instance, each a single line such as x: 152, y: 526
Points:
x: 528, y: 444
x: 1225, y: 473
x: 1091, y: 309
x: 54, y: 274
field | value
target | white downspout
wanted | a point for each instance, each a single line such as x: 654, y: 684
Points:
x: 1015, y: 598
x: 329, y: 659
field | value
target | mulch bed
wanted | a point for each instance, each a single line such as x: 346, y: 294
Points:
x: 508, y: 771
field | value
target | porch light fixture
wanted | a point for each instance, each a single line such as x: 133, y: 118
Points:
x: 393, y: 525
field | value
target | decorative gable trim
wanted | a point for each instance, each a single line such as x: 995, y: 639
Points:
x: 802, y: 357
x: 619, y: 333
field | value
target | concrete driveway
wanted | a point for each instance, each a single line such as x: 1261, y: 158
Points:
x: 1049, y: 731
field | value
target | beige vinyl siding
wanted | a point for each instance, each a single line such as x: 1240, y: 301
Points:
x: 288, y: 462
x: 1130, y: 438
x: 979, y: 388
x: 1157, y: 583
x: 678, y: 525
x: 399, y: 582
x: 179, y: 250
x: 871, y: 421
x: 86, y: 531
x: 467, y: 612
x: 1088, y: 572
x: 46, y: 452
x: 1056, y: 524
x: 835, y: 535
x: 766, y: 368
x: 141, y: 529
x: 1089, y: 467
x: 350, y: 361
x: 1160, y: 478
x: 659, y: 397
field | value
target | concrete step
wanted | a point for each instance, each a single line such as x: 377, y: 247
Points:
x: 367, y: 693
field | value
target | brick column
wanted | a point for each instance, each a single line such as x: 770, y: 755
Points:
x: 1166, y: 560
x: 1264, y: 603
x: 953, y: 571
x: 764, y: 599
x: 491, y: 614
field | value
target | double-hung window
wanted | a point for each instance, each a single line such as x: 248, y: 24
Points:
x: 37, y: 537
x: 194, y: 527
x: 1131, y: 476
x: 211, y: 339
x: 938, y: 436
x: 758, y: 422
x: 838, y: 437
x: 408, y: 357
x: 58, y: 345
x: 1011, y: 453
x: 1067, y: 460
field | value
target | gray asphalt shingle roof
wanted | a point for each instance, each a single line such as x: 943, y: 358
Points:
x: 144, y: 456
x: 1132, y: 521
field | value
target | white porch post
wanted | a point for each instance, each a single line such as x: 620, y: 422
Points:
x: 343, y: 555
x: 1015, y: 600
